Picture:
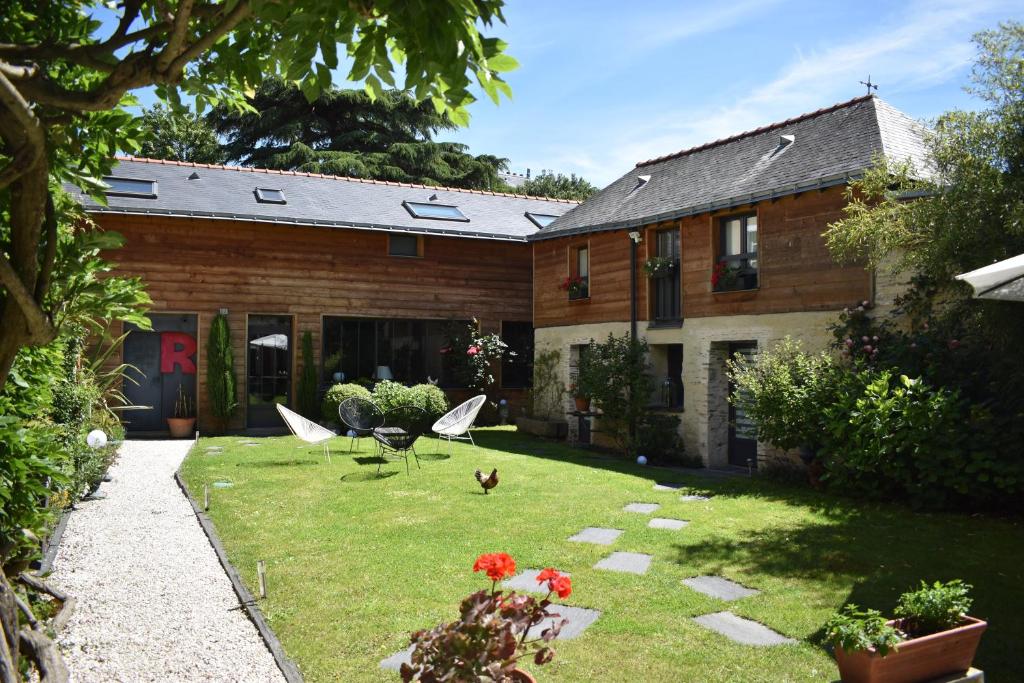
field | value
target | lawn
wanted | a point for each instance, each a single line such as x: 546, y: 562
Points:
x: 355, y: 563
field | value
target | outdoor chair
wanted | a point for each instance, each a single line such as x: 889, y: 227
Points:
x: 457, y: 423
x: 307, y: 430
x: 403, y: 425
x: 361, y: 416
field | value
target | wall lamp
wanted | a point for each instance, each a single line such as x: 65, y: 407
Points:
x: 635, y: 236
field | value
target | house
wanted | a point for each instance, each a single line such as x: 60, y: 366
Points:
x: 375, y: 271
x: 734, y: 228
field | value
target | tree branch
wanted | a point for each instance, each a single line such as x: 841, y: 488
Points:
x: 46, y: 267
x: 39, y: 324
x: 44, y: 653
x: 233, y: 18
x: 177, y: 37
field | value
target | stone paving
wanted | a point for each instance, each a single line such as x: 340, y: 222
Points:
x: 742, y: 630
x: 720, y: 587
x: 671, y: 524
x: 597, y: 535
x: 630, y: 563
x: 526, y: 582
x: 642, y: 508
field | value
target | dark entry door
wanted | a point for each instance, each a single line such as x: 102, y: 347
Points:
x: 269, y: 368
x: 162, y: 361
x: 742, y: 430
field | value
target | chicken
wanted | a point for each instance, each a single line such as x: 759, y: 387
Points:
x: 487, y: 483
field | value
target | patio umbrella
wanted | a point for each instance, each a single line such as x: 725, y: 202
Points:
x: 1003, y: 280
x: 275, y: 341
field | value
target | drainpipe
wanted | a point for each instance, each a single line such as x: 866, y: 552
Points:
x: 634, y: 241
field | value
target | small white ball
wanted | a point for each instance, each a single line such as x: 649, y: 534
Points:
x: 641, y: 460
x: 96, y: 439
x: 351, y: 434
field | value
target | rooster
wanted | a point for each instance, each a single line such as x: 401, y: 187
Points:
x: 487, y: 483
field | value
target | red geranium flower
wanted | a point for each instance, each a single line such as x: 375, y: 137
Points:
x: 562, y: 585
x: 496, y: 565
x: 547, y: 574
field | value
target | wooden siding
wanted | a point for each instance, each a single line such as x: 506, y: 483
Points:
x: 796, y: 272
x: 198, y: 265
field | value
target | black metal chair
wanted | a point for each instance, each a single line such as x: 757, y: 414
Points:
x: 403, y: 425
x: 360, y: 416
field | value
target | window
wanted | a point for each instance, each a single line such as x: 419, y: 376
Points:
x: 665, y: 287
x: 130, y: 187
x: 438, y: 212
x: 404, y: 245
x: 737, y: 261
x: 579, y: 279
x: 517, y: 370
x: 541, y: 220
x: 267, y: 195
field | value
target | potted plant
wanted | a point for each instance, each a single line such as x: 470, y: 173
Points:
x: 931, y: 636
x: 493, y: 632
x: 659, y: 266
x: 183, y: 421
x: 575, y: 285
x: 581, y: 399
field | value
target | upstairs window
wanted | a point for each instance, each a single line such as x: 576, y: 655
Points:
x: 267, y: 195
x: 405, y: 245
x: 578, y: 282
x: 541, y: 220
x: 437, y: 212
x: 736, y: 268
x: 130, y: 187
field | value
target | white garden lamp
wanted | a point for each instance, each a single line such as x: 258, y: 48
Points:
x: 1003, y: 280
x: 96, y: 439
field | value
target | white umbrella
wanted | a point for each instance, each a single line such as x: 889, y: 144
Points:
x: 1003, y: 280
x: 274, y: 341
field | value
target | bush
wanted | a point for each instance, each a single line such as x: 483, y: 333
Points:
x: 785, y: 390
x: 389, y: 395
x: 657, y: 437
x: 935, y: 608
x: 338, y: 393
x: 221, y: 381
x: 614, y: 375
x: 430, y: 398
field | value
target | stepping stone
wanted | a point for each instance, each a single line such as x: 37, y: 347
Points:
x: 579, y: 619
x: 597, y: 535
x: 642, y: 508
x: 631, y: 563
x: 395, y: 661
x: 667, y: 487
x: 693, y: 497
x: 740, y: 630
x: 527, y: 582
x: 719, y: 587
x: 671, y: 524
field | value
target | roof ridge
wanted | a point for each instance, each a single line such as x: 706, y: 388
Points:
x: 758, y: 131
x: 371, y: 181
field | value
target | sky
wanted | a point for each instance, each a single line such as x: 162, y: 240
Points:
x: 603, y: 84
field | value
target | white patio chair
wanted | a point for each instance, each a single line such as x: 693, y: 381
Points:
x: 307, y: 430
x: 456, y: 423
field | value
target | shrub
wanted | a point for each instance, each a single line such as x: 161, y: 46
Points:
x: 657, y: 437
x: 430, y: 398
x: 785, y: 390
x: 853, y: 629
x: 935, y: 608
x: 306, y: 391
x: 470, y: 356
x: 614, y: 375
x: 548, y: 390
x: 221, y: 381
x: 338, y: 393
x: 388, y: 395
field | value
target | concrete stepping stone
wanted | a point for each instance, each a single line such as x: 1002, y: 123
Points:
x: 395, y: 661
x: 527, y: 582
x: 664, y: 523
x: 642, y: 508
x: 630, y: 563
x: 664, y: 486
x: 694, y: 497
x: 597, y: 535
x: 719, y: 587
x: 580, y: 618
x: 740, y: 630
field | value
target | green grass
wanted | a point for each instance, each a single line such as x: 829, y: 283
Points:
x: 355, y: 563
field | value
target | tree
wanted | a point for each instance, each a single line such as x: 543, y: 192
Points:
x: 220, y: 370
x: 557, y: 186
x: 615, y: 375
x: 65, y: 84
x: 348, y: 133
x: 308, y: 406
x: 178, y: 136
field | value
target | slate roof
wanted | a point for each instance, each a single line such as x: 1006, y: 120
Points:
x: 830, y: 146
x: 228, y: 192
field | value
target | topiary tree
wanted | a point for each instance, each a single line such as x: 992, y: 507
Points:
x: 221, y: 381
x: 306, y: 401
x: 388, y: 395
x: 338, y: 393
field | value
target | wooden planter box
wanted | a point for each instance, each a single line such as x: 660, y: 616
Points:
x: 917, y: 660
x: 549, y: 429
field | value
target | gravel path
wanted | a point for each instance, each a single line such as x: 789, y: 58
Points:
x: 153, y: 601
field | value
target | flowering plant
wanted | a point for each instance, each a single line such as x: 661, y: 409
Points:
x: 724, y: 276
x: 659, y: 266
x: 493, y: 631
x: 470, y: 355
x: 575, y: 285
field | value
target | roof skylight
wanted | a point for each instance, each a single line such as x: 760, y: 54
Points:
x: 437, y: 212
x: 130, y: 187
x: 541, y: 220
x: 268, y: 195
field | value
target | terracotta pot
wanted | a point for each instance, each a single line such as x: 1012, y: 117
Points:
x: 916, y: 660
x: 181, y: 427
x: 582, y: 404
x: 520, y: 676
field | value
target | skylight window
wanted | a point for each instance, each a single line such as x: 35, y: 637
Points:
x: 130, y: 187
x: 541, y: 220
x: 268, y: 195
x: 437, y: 212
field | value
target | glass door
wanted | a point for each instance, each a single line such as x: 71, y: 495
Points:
x: 742, y: 430
x: 268, y: 368
x: 665, y: 285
